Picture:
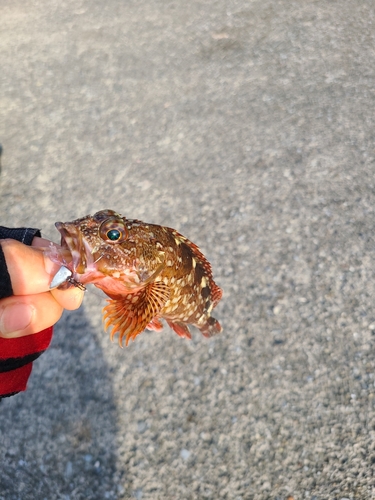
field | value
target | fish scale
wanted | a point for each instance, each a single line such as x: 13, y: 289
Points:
x: 150, y: 272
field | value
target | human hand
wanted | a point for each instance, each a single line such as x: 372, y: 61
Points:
x: 33, y: 307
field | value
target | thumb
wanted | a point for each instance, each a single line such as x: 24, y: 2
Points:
x: 28, y: 314
x: 29, y: 269
x: 31, y: 272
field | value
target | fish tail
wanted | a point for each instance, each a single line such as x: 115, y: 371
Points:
x: 210, y: 328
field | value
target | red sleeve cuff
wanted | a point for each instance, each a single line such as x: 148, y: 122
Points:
x: 15, y: 380
x: 24, y: 346
x: 15, y: 357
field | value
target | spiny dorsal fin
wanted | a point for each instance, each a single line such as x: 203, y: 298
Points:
x: 216, y: 292
x: 196, y: 252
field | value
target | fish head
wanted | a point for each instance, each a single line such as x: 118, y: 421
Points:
x: 98, y: 248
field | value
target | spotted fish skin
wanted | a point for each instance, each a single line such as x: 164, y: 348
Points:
x: 150, y: 272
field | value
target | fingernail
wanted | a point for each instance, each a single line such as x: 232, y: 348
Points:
x: 15, y: 317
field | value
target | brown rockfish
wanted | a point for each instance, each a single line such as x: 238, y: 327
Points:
x: 148, y: 271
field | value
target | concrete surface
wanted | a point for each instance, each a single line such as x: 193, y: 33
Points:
x: 248, y: 126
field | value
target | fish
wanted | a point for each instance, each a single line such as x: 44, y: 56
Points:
x: 149, y: 272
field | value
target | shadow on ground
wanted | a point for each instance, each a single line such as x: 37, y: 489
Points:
x: 68, y: 415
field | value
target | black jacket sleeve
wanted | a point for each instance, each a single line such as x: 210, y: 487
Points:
x: 22, y: 234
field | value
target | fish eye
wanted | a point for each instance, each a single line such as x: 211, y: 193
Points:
x: 113, y: 231
x: 113, y: 234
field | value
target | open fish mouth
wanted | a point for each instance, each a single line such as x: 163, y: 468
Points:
x: 72, y: 240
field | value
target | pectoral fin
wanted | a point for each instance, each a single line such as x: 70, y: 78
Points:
x: 129, y: 315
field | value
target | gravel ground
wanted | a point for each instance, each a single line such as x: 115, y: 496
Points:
x: 249, y: 127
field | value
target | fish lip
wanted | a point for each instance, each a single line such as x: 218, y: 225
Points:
x: 63, y: 233
x: 71, y: 239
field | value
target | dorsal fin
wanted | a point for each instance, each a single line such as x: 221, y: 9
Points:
x: 216, y: 292
x: 198, y: 255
